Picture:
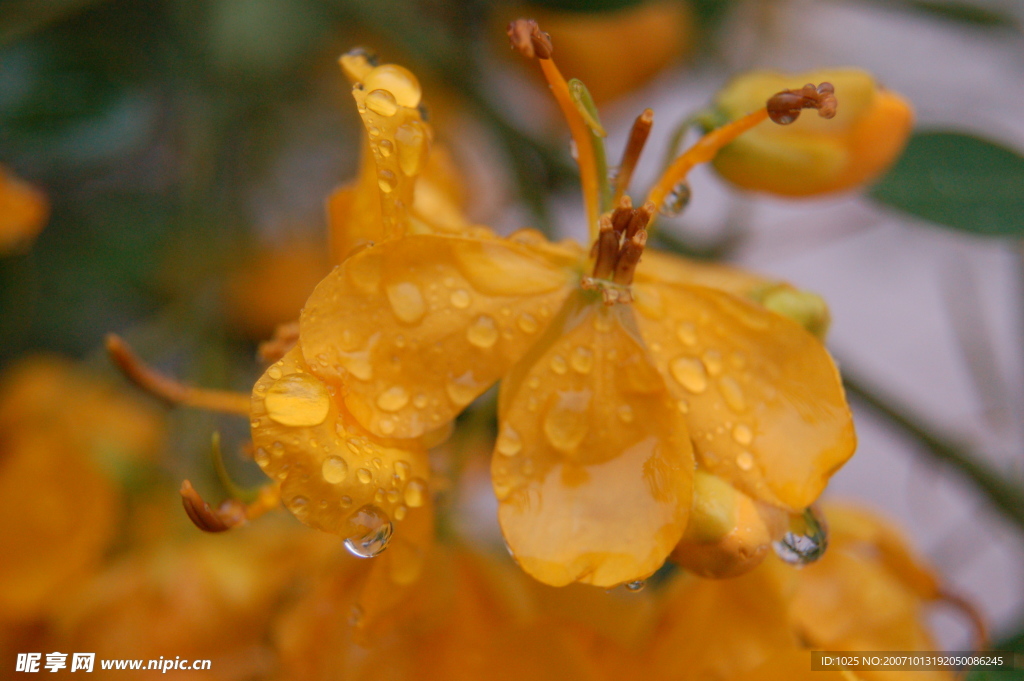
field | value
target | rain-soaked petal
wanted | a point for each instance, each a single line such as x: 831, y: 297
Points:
x: 418, y: 327
x: 592, y: 466
x: 761, y: 395
x: 334, y: 476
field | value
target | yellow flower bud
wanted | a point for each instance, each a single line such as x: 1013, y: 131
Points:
x: 813, y: 155
x: 807, y: 309
x: 727, y: 534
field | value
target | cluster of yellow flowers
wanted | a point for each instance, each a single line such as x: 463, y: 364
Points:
x: 649, y: 411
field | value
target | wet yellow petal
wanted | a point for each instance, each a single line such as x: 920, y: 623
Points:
x: 418, y: 327
x: 763, y: 400
x: 665, y: 268
x: 333, y: 475
x: 592, y: 467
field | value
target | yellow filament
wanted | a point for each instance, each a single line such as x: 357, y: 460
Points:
x: 581, y: 136
x: 702, y: 152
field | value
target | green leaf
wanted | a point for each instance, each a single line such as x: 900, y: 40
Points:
x: 959, y: 181
x: 965, y: 13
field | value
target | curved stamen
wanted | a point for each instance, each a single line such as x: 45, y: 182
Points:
x: 631, y: 154
x: 527, y: 38
x: 783, y: 108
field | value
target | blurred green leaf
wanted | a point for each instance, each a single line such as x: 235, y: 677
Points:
x: 959, y: 181
x: 965, y: 12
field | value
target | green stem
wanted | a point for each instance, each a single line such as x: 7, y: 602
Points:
x: 1005, y: 494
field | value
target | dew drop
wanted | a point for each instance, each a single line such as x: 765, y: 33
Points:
x: 625, y: 413
x: 368, y: 532
x: 460, y: 298
x: 806, y: 539
x: 392, y: 496
x: 559, y: 365
x: 565, y: 423
x: 745, y: 461
x: 582, y: 360
x: 713, y: 362
x: 483, y: 332
x: 298, y: 504
x: 636, y: 585
x: 732, y: 393
x: 385, y: 147
x: 402, y: 469
x: 393, y: 399
x: 334, y: 469
x: 508, y: 443
x: 274, y: 372
x: 387, y: 181
x: 297, y: 400
x: 415, y: 493
x: 420, y: 401
x: 346, y: 501
x: 676, y: 201
x: 742, y: 434
x: 527, y: 323
x: 462, y: 389
x: 689, y: 373
x: 406, y: 301
x: 687, y: 333
x: 261, y: 457
x: 411, y: 138
x: 398, y: 81
x: 382, y: 102
x: 401, y: 511
x: 364, y: 476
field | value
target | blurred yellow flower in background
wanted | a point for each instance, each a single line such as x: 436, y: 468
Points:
x: 23, y: 212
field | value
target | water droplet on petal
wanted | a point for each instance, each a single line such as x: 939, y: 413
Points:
x: 399, y: 81
x: 460, y: 298
x: 636, y: 585
x: 806, y: 539
x: 261, y: 457
x: 559, y: 365
x: 274, y: 372
x: 625, y: 413
x: 364, y: 476
x: 402, y: 469
x: 411, y: 138
x: 297, y: 400
x: 393, y: 399
x: 385, y: 147
x: 687, y: 333
x: 582, y: 360
x: 527, y: 323
x: 732, y: 393
x: 382, y: 102
x: 566, y: 422
x: 742, y: 434
x: 690, y: 374
x: 420, y: 401
x: 508, y: 442
x: 401, y: 511
x: 415, y: 493
x: 676, y: 201
x: 387, y: 181
x: 368, y: 532
x: 745, y: 461
x: 334, y: 469
x: 483, y: 332
x: 407, y: 301
x: 713, y: 362
x: 463, y: 389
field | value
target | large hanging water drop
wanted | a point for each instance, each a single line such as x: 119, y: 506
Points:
x: 676, y: 201
x: 369, y: 531
x: 636, y: 585
x: 806, y: 539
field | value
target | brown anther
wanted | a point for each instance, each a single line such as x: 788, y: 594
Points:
x: 607, y: 246
x: 629, y: 257
x: 285, y: 338
x: 230, y: 514
x: 785, y: 107
x: 631, y: 154
x: 641, y: 218
x: 168, y: 389
x: 622, y: 214
x: 527, y: 39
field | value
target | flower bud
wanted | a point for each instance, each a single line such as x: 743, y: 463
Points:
x: 813, y: 155
x: 807, y: 309
x: 728, y: 534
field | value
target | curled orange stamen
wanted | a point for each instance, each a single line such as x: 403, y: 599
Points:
x: 231, y: 512
x: 783, y: 108
x: 527, y: 38
x: 168, y: 389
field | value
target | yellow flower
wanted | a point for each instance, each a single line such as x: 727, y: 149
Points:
x: 612, y: 386
x: 600, y: 47
x: 60, y: 434
x: 812, y: 156
x: 23, y: 212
